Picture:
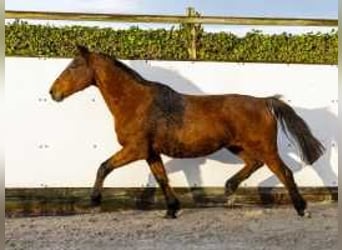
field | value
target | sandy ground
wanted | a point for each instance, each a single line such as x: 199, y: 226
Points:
x: 211, y: 228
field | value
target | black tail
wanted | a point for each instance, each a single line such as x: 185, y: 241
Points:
x: 311, y: 148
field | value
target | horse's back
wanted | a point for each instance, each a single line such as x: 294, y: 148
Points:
x: 236, y: 113
x: 230, y: 106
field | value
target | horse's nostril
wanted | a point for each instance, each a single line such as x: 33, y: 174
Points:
x: 50, y: 91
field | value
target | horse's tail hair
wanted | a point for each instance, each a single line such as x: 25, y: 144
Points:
x: 311, y: 149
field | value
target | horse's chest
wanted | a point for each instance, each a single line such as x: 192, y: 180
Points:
x: 132, y: 131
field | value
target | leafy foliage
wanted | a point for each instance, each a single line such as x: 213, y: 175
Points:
x: 23, y: 39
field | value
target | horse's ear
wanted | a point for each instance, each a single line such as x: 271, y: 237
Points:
x: 83, y: 51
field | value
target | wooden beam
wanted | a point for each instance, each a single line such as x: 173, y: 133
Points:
x: 61, y: 201
x: 223, y: 20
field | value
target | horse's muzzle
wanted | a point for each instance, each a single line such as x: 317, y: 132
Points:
x: 58, y: 97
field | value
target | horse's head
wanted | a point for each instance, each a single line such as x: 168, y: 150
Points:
x: 75, y: 77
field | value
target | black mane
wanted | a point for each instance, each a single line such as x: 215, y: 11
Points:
x: 140, y: 79
x: 125, y: 68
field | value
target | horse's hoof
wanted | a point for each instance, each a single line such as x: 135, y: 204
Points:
x: 307, y: 214
x: 172, y: 209
x: 230, y: 200
x: 301, y: 207
x: 170, y: 215
x: 95, y: 200
x: 304, y: 214
x: 301, y: 213
x: 95, y: 210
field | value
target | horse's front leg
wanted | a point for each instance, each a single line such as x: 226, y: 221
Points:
x: 119, y: 159
x: 158, y: 170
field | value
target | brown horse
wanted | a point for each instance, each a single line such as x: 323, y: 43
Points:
x: 152, y: 119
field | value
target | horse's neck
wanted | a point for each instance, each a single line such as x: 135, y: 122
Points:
x: 120, y: 90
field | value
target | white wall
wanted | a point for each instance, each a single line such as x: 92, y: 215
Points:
x: 62, y: 144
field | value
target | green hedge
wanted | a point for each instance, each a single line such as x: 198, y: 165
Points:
x: 284, y: 48
x: 23, y: 39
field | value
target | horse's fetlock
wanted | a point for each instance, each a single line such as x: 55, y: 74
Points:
x: 300, y: 206
x: 96, y: 198
x: 231, y: 186
x: 170, y: 214
x: 173, y: 205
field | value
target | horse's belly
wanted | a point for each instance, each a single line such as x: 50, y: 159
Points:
x: 196, y: 135
x: 175, y: 153
x: 204, y: 145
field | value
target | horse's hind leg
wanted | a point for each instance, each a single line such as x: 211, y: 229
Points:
x: 251, y: 165
x: 279, y: 168
x: 158, y: 170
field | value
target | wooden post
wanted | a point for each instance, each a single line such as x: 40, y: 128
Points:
x: 191, y: 12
